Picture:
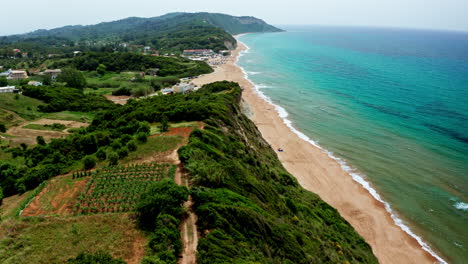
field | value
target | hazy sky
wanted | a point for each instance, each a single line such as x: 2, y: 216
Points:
x: 437, y: 14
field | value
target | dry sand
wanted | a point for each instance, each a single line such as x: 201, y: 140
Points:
x: 320, y: 174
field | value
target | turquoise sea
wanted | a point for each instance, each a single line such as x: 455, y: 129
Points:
x: 391, y: 105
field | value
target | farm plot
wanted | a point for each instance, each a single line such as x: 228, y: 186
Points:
x: 118, y: 188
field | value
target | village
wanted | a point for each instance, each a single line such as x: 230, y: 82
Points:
x: 212, y: 58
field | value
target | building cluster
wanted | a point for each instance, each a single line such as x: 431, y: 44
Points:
x: 207, y: 55
x: 182, y: 88
x: 9, y: 89
x: 14, y: 75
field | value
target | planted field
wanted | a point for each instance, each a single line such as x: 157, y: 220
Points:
x: 118, y: 188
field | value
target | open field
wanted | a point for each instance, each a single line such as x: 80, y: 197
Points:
x: 71, y: 116
x: 25, y: 107
x: 27, y: 132
x: 55, y: 240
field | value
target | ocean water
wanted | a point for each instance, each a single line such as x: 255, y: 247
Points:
x: 391, y: 105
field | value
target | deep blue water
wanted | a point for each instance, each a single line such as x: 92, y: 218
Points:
x: 392, y: 103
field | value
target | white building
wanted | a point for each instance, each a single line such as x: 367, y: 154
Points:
x: 8, y: 89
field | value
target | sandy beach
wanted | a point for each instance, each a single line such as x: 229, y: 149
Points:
x: 319, y: 173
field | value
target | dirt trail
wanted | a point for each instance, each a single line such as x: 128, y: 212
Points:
x: 188, y: 226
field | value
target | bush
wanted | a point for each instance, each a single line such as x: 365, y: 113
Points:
x: 163, y: 197
x: 142, y: 137
x: 40, y: 140
x: 122, y: 91
x: 113, y: 158
x: 89, y: 162
x: 3, y: 81
x: 99, y: 257
x: 123, y: 152
x: 131, y: 145
x: 2, y: 128
x: 142, y: 91
x: 101, y: 154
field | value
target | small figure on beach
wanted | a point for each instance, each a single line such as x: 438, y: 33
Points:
x: 280, y: 150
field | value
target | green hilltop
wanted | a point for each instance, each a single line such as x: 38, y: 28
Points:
x: 172, y: 32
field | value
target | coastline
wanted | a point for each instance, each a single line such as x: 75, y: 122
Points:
x: 319, y: 173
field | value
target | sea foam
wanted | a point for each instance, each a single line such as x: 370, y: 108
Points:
x: 356, y: 176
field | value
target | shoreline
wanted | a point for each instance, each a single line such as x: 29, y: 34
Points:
x: 319, y: 172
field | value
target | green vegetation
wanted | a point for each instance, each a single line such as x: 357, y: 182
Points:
x: 171, y: 32
x: 89, y: 162
x: 55, y: 127
x: 99, y: 257
x: 65, y: 98
x: 12, y: 108
x: 160, y: 209
x: 58, y: 239
x: 85, y: 117
x: 118, y: 188
x: 73, y: 78
x: 119, y: 62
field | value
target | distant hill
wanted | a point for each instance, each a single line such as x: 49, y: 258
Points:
x: 173, y: 31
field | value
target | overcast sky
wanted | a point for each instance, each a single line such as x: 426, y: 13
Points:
x: 435, y: 14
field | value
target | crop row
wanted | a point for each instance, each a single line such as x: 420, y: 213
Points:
x: 118, y: 188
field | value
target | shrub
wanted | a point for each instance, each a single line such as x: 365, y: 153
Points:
x: 163, y: 197
x: 89, y: 162
x: 113, y: 158
x: 99, y: 257
x: 123, y: 152
x: 2, y: 128
x: 122, y: 91
x: 131, y: 145
x: 142, y: 137
x: 40, y: 140
x: 101, y: 154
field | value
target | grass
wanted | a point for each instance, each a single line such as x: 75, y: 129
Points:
x: 55, y: 240
x: 10, y: 205
x: 152, y: 147
x: 25, y: 107
x: 45, y: 127
x: 156, y: 127
x: 71, y: 116
x: 99, y: 91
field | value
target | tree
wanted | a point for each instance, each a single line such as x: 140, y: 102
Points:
x: 89, y: 162
x: 1, y: 195
x: 40, y: 140
x: 142, y: 137
x: 47, y: 79
x: 113, y: 158
x: 101, y: 69
x: 2, y: 128
x: 131, y: 145
x: 101, y: 154
x: 164, y: 124
x: 3, y: 82
x: 123, y: 152
x: 73, y: 78
x: 163, y: 197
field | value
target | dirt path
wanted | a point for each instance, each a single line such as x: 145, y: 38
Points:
x: 188, y: 226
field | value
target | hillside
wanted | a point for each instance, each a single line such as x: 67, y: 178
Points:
x: 171, y: 32
x: 249, y: 208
